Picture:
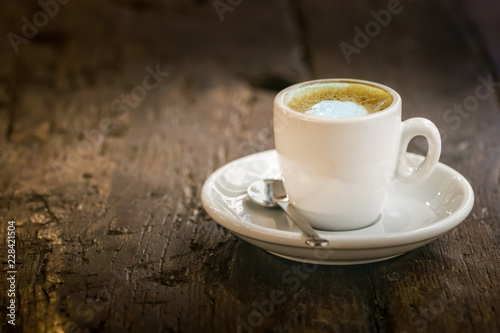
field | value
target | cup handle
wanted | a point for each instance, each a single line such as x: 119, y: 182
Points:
x: 413, y: 127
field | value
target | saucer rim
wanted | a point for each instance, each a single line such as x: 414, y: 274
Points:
x: 336, y: 262
x: 340, y: 239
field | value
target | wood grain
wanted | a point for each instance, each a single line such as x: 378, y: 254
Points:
x: 111, y: 234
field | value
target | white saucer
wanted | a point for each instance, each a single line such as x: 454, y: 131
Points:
x: 413, y: 215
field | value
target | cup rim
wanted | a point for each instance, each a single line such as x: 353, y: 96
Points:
x: 396, y: 101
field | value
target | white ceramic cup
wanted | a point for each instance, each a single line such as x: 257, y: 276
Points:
x: 338, y: 171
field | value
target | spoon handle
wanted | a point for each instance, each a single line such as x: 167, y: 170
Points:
x: 304, y: 226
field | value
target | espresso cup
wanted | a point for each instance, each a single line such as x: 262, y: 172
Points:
x: 338, y: 172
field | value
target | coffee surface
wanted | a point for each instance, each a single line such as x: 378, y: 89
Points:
x: 338, y: 99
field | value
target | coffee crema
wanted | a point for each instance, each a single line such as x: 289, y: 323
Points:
x: 338, y: 99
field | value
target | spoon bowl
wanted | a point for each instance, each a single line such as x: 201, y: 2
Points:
x: 271, y: 193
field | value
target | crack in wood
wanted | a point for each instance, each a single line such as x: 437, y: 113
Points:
x: 47, y: 206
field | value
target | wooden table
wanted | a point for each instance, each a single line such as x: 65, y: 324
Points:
x: 114, y: 113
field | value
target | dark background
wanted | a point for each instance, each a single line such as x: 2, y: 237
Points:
x: 103, y: 176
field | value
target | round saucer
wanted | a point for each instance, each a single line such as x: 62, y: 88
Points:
x: 413, y: 215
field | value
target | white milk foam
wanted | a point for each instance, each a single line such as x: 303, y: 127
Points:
x: 336, y: 109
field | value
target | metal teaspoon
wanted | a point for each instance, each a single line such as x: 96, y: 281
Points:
x: 271, y: 193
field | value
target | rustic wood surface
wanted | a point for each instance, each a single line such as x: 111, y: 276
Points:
x: 102, y: 162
